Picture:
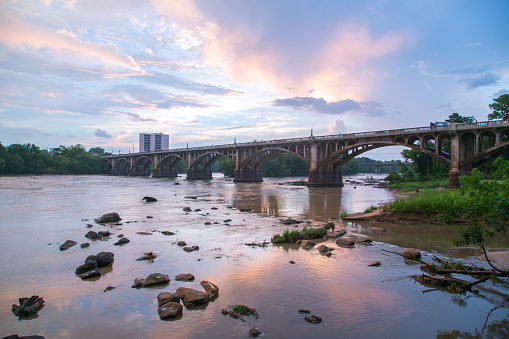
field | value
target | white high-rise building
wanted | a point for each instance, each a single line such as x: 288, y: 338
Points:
x: 150, y: 142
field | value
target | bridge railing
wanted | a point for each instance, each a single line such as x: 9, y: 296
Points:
x: 347, y: 136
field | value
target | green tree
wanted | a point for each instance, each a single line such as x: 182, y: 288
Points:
x: 226, y: 167
x: 500, y: 108
x: 455, y: 118
x: 486, y: 206
x: 97, y: 150
x: 4, y: 155
x: 277, y: 166
x: 351, y: 167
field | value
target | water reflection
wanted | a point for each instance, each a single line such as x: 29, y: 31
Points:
x: 278, y: 198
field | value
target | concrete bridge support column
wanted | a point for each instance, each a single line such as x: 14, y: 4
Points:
x: 325, y: 178
x: 247, y: 175
x: 197, y: 174
x: 454, y: 173
x: 165, y: 172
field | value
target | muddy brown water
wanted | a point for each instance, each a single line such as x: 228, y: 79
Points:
x: 38, y: 213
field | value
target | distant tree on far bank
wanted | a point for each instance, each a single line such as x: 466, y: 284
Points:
x: 500, y: 108
x: 455, y: 118
x: 29, y: 159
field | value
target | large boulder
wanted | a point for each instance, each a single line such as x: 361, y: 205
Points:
x: 191, y: 297
x: 170, y: 310
x: 151, y: 280
x: 211, y: 289
x: 108, y: 217
x: 149, y: 199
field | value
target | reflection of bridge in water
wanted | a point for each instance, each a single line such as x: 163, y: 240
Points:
x: 459, y: 146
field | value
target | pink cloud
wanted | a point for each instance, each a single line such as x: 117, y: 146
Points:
x: 14, y: 31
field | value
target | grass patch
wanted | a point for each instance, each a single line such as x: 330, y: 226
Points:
x: 369, y: 210
x: 244, y: 310
x: 344, y: 214
x: 409, y: 186
x: 434, y: 203
x: 292, y: 236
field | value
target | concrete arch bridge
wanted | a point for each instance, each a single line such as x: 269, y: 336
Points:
x: 459, y: 146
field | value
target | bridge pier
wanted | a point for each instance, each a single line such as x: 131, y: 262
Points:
x: 165, y: 172
x: 199, y: 174
x: 247, y: 175
x: 325, y: 178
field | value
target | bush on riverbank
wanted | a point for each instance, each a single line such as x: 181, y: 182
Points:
x: 409, y: 186
x: 292, y: 236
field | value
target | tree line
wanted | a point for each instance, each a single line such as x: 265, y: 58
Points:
x: 30, y: 159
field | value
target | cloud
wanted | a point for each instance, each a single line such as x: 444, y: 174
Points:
x: 260, y: 45
x: 260, y: 125
x: 185, y: 84
x: 337, y: 126
x: 501, y: 92
x: 474, y: 44
x: 102, y: 134
x: 487, y: 79
x: 315, y: 105
x: 318, y: 105
x: 14, y: 31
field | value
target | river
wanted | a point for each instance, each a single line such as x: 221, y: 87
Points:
x: 38, y: 213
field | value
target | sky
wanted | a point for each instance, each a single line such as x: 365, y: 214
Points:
x: 211, y: 72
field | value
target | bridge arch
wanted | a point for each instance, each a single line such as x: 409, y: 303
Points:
x: 167, y: 166
x: 120, y: 166
x: 141, y: 166
x: 201, y: 167
x: 250, y: 170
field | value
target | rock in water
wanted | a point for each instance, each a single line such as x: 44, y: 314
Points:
x: 314, y: 319
x: 184, y: 277
x: 191, y: 297
x: 169, y: 310
x: 166, y: 297
x: 411, y: 253
x: 108, y: 217
x: 68, y: 244
x: 122, y: 241
x: 211, y: 289
x: 307, y: 244
x: 254, y: 332
x: 149, y: 199
x: 104, y: 259
x: 151, y: 280
x: 28, y: 306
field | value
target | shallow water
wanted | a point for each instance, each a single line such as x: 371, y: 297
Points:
x: 37, y: 214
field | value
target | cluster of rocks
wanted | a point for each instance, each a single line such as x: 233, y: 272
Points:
x: 90, y: 268
x: 28, y: 306
x: 313, y: 319
x: 101, y: 235
x: 169, y: 306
